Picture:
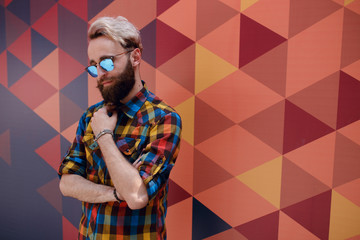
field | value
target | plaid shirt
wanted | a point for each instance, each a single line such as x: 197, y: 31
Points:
x: 146, y: 127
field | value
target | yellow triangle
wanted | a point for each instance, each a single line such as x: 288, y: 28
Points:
x: 347, y: 2
x: 186, y: 110
x: 247, y: 3
x: 48, y: 68
x: 265, y: 180
x: 344, y: 218
x: 50, y: 111
x: 209, y: 68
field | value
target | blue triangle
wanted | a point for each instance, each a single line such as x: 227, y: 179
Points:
x: 16, y: 69
x: 205, y: 222
x: 72, y: 90
x: 148, y: 37
x: 2, y: 30
x: 96, y: 6
x: 73, y: 35
x: 40, y: 47
x: 21, y: 8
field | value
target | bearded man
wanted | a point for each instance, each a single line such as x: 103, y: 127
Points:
x: 125, y: 145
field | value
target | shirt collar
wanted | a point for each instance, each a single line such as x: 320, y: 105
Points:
x: 133, y: 105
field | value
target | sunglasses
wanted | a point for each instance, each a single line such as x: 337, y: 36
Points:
x: 106, y: 63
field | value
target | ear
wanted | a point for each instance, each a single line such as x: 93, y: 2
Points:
x: 135, y: 57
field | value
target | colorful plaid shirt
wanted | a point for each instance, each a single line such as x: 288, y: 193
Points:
x: 146, y: 127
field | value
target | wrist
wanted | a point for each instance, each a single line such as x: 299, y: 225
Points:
x: 102, y: 133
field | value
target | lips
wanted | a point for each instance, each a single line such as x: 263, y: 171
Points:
x: 107, y: 82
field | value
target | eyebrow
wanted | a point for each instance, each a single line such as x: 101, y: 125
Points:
x: 93, y: 62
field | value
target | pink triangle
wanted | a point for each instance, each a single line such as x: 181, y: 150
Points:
x: 69, y: 231
x: 51, y: 193
x: 21, y: 48
x: 3, y: 69
x: 69, y: 68
x: 313, y: 214
x: 79, y: 7
x: 50, y: 152
x: 5, y: 147
x: 255, y: 40
x: 47, y: 25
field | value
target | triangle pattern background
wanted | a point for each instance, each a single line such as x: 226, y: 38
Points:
x: 268, y: 92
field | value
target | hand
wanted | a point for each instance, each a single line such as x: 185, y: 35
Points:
x: 137, y: 163
x: 101, y: 121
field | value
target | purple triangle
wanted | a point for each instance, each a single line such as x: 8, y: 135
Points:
x: 349, y: 100
x: 51, y: 193
x: 313, y: 214
x: 301, y: 127
x: 255, y: 40
x: 41, y: 47
x: 2, y: 30
x: 39, y: 8
x: 96, y: 6
x: 69, y: 112
x: 71, y: 91
x: 16, y: 69
x: 148, y: 36
x: 21, y: 8
x: 12, y: 33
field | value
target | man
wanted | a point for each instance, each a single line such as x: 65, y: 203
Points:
x: 125, y: 146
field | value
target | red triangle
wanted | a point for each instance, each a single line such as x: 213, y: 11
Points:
x: 169, y: 42
x: 210, y: 15
x: 298, y: 185
x: 305, y: 13
x: 5, y: 147
x: 268, y: 126
x: 268, y: 224
x: 346, y: 163
x: 270, y: 69
x: 47, y: 25
x: 209, y: 176
x: 255, y: 40
x: 3, y: 69
x: 7, y: 2
x: 51, y: 193
x: 163, y: 5
x: 69, y: 230
x: 39, y: 8
x: 207, y: 121
x: 78, y: 7
x: 176, y: 193
x: 69, y: 68
x: 349, y: 100
x: 320, y: 99
x: 313, y: 214
x: 50, y: 152
x: 21, y: 48
x: 301, y: 127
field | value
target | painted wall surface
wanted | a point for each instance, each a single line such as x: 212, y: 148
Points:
x: 269, y: 94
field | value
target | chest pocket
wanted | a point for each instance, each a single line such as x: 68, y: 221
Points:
x: 129, y: 147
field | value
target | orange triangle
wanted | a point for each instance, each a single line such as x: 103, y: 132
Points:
x: 244, y: 149
x: 352, y: 131
x: 318, y: 50
x: 290, y: 229
x: 50, y: 111
x: 21, y: 48
x: 317, y: 158
x: 69, y: 133
x: 183, y: 171
x: 182, y: 17
x: 235, y: 4
x: 48, y: 69
x: 179, y: 220
x: 229, y: 50
x: 149, y: 73
x: 273, y: 14
x: 94, y: 95
x: 170, y: 91
x: 351, y: 191
x: 50, y: 152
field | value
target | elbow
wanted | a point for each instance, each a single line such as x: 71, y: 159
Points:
x: 62, y: 186
x: 138, y: 203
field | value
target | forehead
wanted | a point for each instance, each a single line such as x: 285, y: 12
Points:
x: 103, y: 46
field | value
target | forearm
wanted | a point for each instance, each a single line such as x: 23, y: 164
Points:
x: 125, y: 177
x: 72, y: 185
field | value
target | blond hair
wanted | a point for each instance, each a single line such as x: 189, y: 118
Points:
x: 118, y: 29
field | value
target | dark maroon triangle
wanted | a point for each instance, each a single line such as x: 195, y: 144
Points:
x: 176, y: 193
x: 169, y: 42
x: 163, y: 5
x: 313, y: 214
x: 208, y: 121
x: 305, y: 13
x: 265, y: 227
x: 207, y: 173
x: 301, y: 127
x: 255, y: 40
x: 349, y: 100
x: 346, y: 162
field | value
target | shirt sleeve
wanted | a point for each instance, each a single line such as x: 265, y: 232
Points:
x: 160, y: 154
x: 74, y: 161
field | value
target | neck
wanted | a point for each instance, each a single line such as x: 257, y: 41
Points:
x: 137, y: 87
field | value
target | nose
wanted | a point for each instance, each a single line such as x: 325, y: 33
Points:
x: 100, y: 71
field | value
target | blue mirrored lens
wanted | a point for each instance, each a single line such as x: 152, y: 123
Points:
x: 107, y: 64
x: 92, y: 70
